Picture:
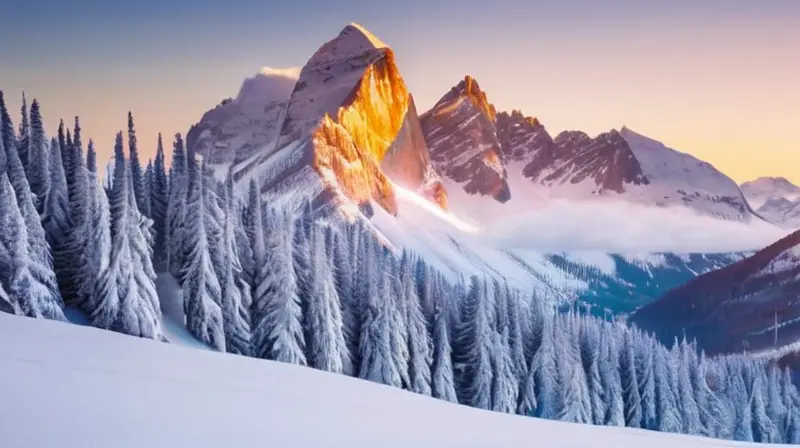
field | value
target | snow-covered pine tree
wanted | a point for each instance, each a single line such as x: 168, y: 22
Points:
x: 301, y: 255
x: 235, y: 315
x: 644, y: 375
x: 575, y: 402
x: 55, y: 219
x: 442, y: 378
x: 475, y: 342
x: 202, y: 292
x: 159, y: 200
x: 96, y: 254
x: 147, y: 187
x: 69, y: 275
x: 176, y: 209
x: 630, y: 383
x: 20, y: 292
x: 686, y: 397
x: 668, y: 415
x: 713, y: 415
x: 24, y: 139
x: 326, y: 345
x: 277, y: 316
x: 126, y: 293
x: 62, y: 143
x: 137, y: 176
x: 255, y: 234
x: 764, y: 429
x: 516, y: 342
x: 546, y: 372
x: 419, y: 340
x: 399, y: 314
x: 343, y: 280
x: 505, y: 384
x: 378, y: 363
x: 37, y: 171
x: 91, y: 158
x: 610, y: 377
x: 40, y: 261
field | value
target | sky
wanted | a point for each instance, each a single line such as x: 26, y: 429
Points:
x: 719, y: 79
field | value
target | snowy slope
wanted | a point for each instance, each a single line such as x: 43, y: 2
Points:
x: 782, y: 212
x: 65, y: 385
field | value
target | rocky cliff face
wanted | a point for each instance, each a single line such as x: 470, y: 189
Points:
x: 351, y: 120
x: 490, y: 153
x: 460, y: 131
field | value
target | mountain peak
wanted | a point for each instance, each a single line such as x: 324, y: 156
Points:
x: 353, y: 41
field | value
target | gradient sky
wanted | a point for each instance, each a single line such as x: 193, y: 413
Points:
x: 719, y: 79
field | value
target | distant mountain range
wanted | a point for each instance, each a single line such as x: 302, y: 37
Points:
x: 776, y: 199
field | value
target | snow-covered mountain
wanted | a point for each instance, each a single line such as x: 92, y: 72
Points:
x: 238, y: 128
x: 751, y: 305
x: 349, y: 126
x: 761, y: 190
x: 135, y: 393
x: 490, y: 153
x: 776, y: 199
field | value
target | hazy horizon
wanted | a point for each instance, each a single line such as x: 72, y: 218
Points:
x: 717, y: 80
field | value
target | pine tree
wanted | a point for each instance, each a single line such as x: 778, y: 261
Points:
x: 377, y: 361
x: 475, y: 346
x: 176, y: 209
x: 127, y: 300
x: 343, y: 277
x: 234, y: 313
x: 647, y: 389
x: 764, y: 429
x: 40, y: 261
x: 20, y: 292
x: 630, y: 384
x: 159, y: 200
x: 202, y: 292
x: 505, y: 385
x: 611, y: 380
x: 136, y: 167
x: 686, y: 396
x: 442, y: 379
x: 667, y: 411
x: 24, y: 140
x: 326, y: 345
x: 97, y: 250
x: 419, y: 341
x: 147, y: 187
x: 55, y: 219
x: 515, y: 337
x: 62, y: 144
x: 78, y: 191
x: 91, y: 158
x: 38, y: 173
x: 277, y: 316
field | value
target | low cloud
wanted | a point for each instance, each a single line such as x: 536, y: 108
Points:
x: 269, y: 84
x: 618, y: 226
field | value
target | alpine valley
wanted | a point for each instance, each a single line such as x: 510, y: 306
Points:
x: 463, y: 253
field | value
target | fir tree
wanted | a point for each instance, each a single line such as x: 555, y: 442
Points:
x: 147, y: 187
x: 505, y: 385
x: 630, y: 384
x: 419, y: 342
x: 277, y: 316
x: 159, y: 200
x: 40, y: 261
x: 127, y: 301
x: 378, y: 363
x: 202, y: 292
x: 24, y: 140
x: 78, y: 192
x: 176, y: 209
x: 326, y: 345
x: 137, y: 176
x: 91, y: 158
x: 55, y: 219
x: 442, y: 379
x: 20, y: 292
x: 37, y: 171
x: 234, y: 313
x: 475, y: 345
x: 97, y: 250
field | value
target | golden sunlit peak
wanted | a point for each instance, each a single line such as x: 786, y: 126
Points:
x: 377, y: 43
